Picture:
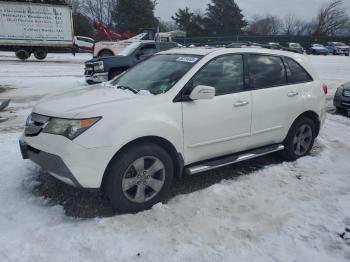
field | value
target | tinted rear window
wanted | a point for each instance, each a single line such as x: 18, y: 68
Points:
x: 297, y: 73
x: 266, y: 71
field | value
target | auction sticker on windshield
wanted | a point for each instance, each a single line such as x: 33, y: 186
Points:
x: 187, y: 59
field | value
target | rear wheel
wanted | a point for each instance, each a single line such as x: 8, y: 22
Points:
x: 40, y: 54
x: 105, y: 53
x: 300, y: 139
x: 23, y: 54
x: 138, y: 178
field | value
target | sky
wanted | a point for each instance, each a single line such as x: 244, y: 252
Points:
x: 304, y: 9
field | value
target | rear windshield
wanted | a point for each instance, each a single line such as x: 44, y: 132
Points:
x: 157, y: 74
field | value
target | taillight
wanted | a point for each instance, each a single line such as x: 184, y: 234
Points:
x: 325, y: 88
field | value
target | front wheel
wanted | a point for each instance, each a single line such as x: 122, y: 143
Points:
x: 300, y: 139
x: 138, y: 178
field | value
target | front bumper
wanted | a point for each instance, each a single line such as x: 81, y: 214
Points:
x: 97, y: 77
x: 342, y: 51
x: 49, y: 162
x: 66, y: 160
x: 342, y: 102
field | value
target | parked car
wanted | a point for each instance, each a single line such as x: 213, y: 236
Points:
x: 294, y: 47
x: 317, y: 49
x: 176, y: 113
x: 273, y: 45
x: 342, y: 98
x: 102, y: 69
x: 84, y: 44
x: 338, y: 48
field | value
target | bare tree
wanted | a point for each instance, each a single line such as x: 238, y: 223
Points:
x: 293, y: 26
x: 100, y: 10
x: 332, y: 19
x: 269, y: 25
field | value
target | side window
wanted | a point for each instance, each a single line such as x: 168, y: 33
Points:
x: 297, y: 73
x: 224, y: 73
x: 148, y: 50
x: 266, y: 71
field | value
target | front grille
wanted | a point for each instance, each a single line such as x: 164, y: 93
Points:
x: 35, y: 124
x: 89, y: 70
x: 346, y: 93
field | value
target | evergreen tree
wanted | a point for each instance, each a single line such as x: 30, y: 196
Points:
x: 133, y: 15
x: 224, y: 18
x: 189, y: 22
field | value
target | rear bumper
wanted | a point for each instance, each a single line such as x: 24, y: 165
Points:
x: 97, y: 77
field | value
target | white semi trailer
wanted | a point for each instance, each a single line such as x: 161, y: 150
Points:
x: 27, y: 28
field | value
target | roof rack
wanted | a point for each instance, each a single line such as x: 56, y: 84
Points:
x: 267, y: 46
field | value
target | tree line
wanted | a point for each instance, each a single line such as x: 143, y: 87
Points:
x: 221, y: 18
x: 224, y: 18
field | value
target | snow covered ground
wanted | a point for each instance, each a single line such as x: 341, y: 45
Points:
x: 282, y: 212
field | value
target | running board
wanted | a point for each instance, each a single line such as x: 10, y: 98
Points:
x: 228, y: 160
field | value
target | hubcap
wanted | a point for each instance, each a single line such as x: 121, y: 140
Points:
x: 143, y: 179
x: 302, y: 140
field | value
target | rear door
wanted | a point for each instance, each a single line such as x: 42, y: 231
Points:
x: 275, y: 101
x: 221, y: 125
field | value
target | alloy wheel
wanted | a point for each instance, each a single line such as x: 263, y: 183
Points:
x: 302, y: 140
x: 143, y: 179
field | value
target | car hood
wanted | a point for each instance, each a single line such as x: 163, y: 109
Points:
x: 73, y: 103
x: 343, y: 47
x: 106, y: 59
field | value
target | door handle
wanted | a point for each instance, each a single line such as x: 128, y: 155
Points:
x: 292, y: 93
x: 241, y: 103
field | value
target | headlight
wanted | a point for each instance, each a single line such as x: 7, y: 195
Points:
x: 98, y: 66
x: 70, y: 128
x: 339, y: 91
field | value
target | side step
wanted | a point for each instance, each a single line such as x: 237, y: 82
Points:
x: 231, y: 159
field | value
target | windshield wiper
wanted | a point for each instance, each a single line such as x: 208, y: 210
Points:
x: 128, y: 88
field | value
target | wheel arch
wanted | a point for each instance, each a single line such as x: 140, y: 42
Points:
x: 313, y: 116
x: 160, y: 141
x: 104, y: 49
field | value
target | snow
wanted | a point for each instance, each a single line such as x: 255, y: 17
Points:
x: 282, y: 212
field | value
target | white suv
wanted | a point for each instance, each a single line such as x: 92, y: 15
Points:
x: 182, y: 111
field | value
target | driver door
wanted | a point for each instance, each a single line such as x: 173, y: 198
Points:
x: 222, y: 125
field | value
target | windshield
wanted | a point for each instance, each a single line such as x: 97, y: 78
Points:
x: 317, y: 45
x: 129, y: 49
x: 157, y: 74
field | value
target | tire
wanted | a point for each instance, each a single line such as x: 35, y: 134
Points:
x: 23, y: 54
x: 298, y: 135
x: 105, y: 53
x: 40, y: 54
x: 340, y: 111
x: 347, y: 54
x: 113, y: 74
x: 129, y: 173
x: 90, y: 82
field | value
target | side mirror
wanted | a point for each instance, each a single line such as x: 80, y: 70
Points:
x: 202, y: 93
